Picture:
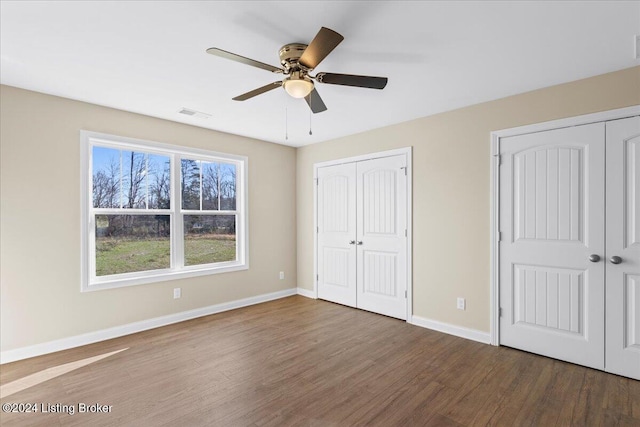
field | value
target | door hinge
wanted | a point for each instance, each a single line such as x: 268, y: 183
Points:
x: 500, y: 312
x: 317, y: 229
x: 405, y: 170
x: 405, y: 232
x: 317, y: 277
x: 405, y: 294
x: 316, y: 180
x: 499, y: 236
x: 499, y: 157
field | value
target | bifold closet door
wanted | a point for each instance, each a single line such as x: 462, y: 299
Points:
x: 337, y: 233
x: 623, y: 248
x: 552, y: 249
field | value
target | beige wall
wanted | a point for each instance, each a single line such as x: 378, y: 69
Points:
x: 40, y: 221
x: 40, y: 212
x: 451, y: 188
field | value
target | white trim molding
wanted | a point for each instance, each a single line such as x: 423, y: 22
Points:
x: 447, y: 328
x: 307, y: 293
x: 132, y: 328
x: 602, y: 116
x: 495, y: 141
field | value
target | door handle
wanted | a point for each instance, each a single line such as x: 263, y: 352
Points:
x: 615, y: 259
x: 352, y: 242
x: 594, y: 258
x: 359, y: 242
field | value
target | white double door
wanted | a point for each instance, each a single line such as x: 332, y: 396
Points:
x: 362, y: 242
x: 570, y: 245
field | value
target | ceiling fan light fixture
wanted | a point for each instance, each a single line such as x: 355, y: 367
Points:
x: 298, y: 88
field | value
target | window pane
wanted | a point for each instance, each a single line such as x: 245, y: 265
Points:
x: 210, y: 185
x: 190, y: 182
x: 106, y: 177
x: 128, y: 243
x: 227, y: 187
x: 159, y: 181
x: 209, y: 239
x: 134, y: 182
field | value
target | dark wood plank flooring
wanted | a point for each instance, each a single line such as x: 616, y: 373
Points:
x: 301, y: 362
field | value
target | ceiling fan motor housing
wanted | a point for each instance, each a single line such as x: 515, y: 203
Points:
x: 290, y: 54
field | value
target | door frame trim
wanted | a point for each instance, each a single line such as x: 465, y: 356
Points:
x: 407, y: 151
x: 496, y: 136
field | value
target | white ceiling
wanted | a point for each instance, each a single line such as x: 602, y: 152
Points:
x: 149, y: 57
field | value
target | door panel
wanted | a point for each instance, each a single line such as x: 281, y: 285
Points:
x: 336, y: 267
x: 547, y: 194
x: 336, y: 228
x: 552, y: 220
x: 551, y: 298
x: 623, y: 240
x: 379, y: 188
x: 382, y: 243
x: 380, y: 273
x: 631, y: 308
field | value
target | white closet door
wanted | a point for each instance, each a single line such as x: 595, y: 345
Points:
x: 552, y: 221
x: 623, y: 241
x: 337, y: 233
x: 381, y: 236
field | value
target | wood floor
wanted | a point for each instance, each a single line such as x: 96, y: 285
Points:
x: 298, y: 362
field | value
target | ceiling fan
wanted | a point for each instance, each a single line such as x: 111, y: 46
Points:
x: 298, y: 60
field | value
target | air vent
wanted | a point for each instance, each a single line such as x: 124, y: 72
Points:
x: 194, y: 113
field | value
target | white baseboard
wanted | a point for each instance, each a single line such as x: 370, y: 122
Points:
x: 447, y: 328
x: 131, y: 328
x: 306, y: 293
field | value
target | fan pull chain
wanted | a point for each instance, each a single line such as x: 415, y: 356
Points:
x: 310, y: 115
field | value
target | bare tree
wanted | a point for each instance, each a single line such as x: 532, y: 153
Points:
x: 160, y: 194
x: 159, y: 186
x: 190, y: 183
x: 135, y: 180
x: 210, y: 186
x: 106, y: 187
x: 228, y: 187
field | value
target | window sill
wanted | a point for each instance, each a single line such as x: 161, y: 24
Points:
x: 160, y: 276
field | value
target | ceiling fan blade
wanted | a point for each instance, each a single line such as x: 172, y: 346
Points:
x: 232, y: 56
x: 260, y: 90
x: 315, y: 102
x: 352, y: 80
x: 324, y: 42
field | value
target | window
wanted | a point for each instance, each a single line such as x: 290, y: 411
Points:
x: 155, y: 212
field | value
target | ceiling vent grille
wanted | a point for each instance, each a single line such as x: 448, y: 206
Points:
x: 194, y: 113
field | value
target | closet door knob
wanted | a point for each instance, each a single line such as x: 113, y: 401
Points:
x: 352, y: 242
x: 359, y: 242
x: 615, y: 260
x: 594, y: 258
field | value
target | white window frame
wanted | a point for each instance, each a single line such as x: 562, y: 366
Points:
x: 89, y: 280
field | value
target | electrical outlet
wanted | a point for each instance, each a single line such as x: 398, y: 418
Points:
x: 461, y: 304
x: 177, y: 293
x: 282, y: 275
